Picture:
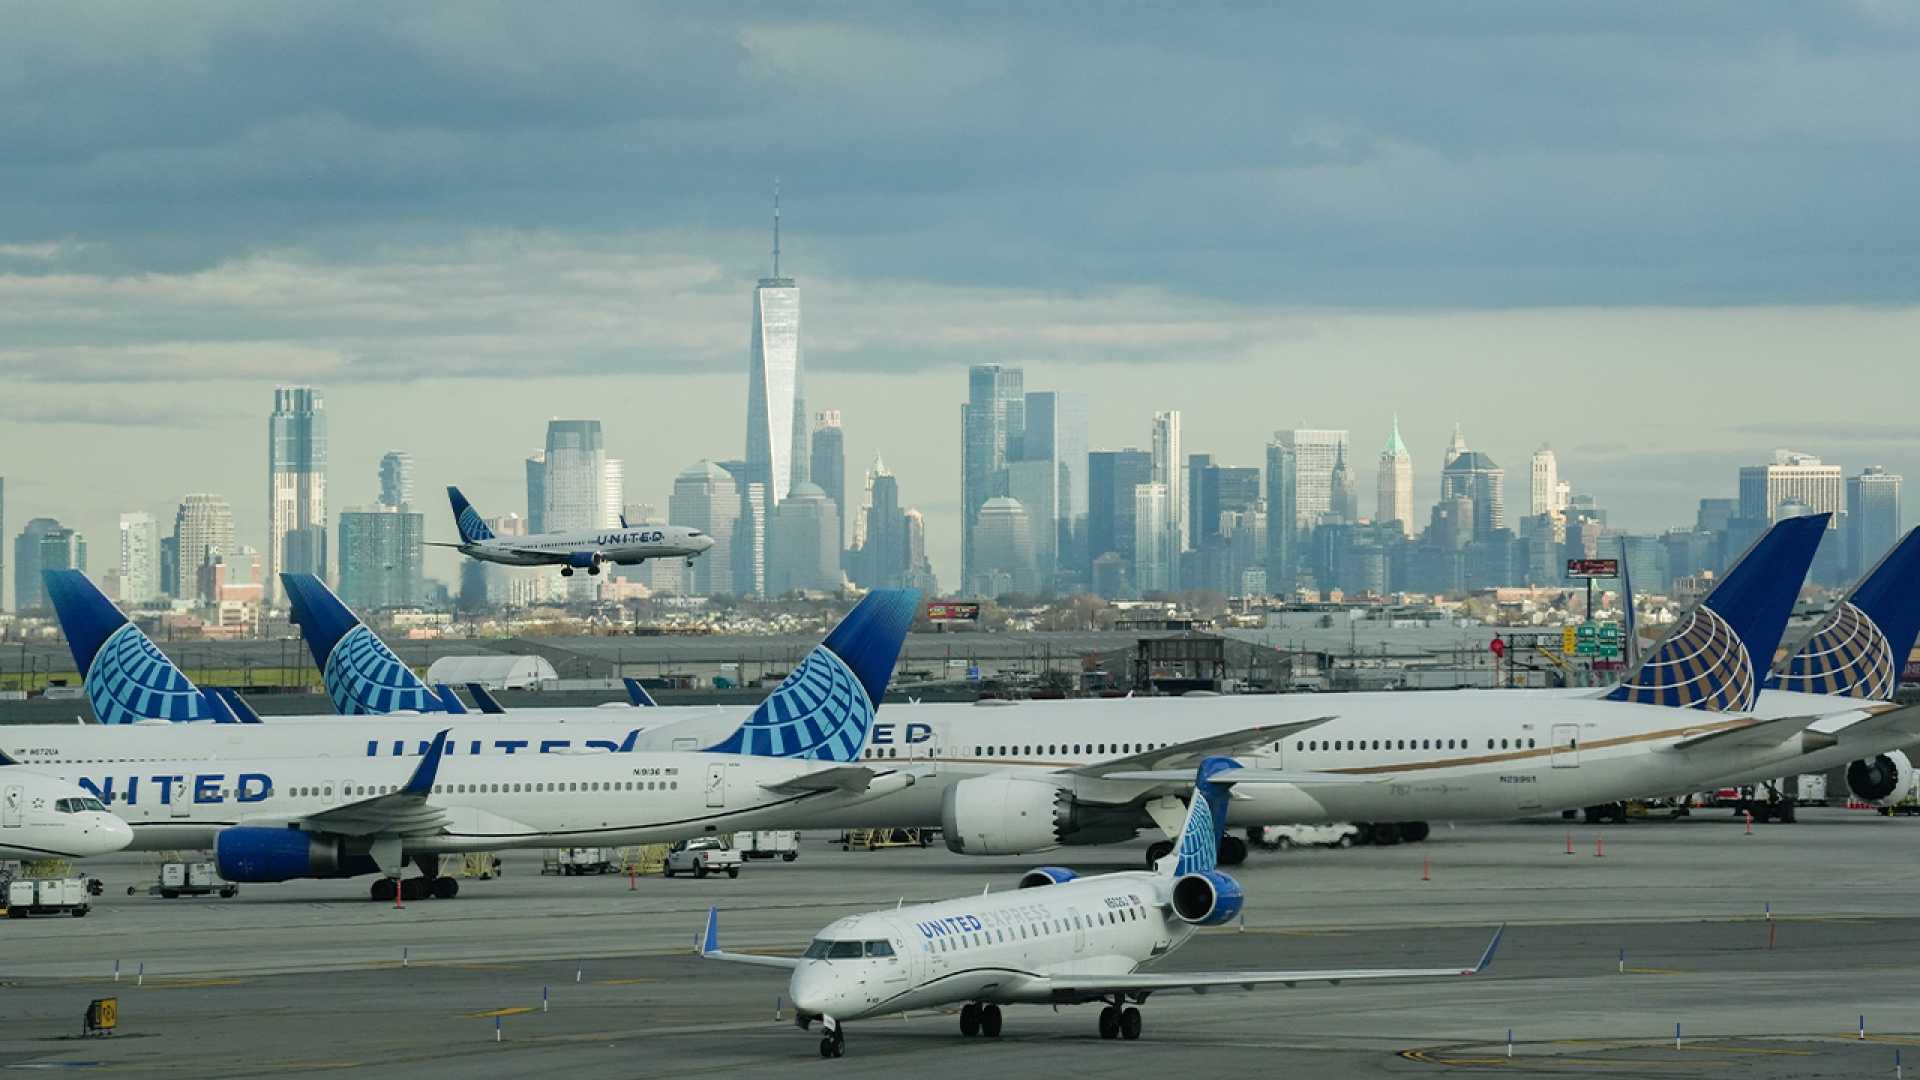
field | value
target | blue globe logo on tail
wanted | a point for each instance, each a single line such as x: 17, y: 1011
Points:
x: 1848, y: 656
x: 1199, y: 849
x: 472, y: 528
x: 131, y: 680
x: 365, y: 678
x: 1704, y: 665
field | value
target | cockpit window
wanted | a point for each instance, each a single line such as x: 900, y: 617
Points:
x: 92, y: 804
x: 75, y: 806
x: 879, y: 949
x: 817, y: 950
x: 693, y: 532
x: 844, y: 950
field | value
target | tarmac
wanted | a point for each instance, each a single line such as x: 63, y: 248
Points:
x: 525, y: 975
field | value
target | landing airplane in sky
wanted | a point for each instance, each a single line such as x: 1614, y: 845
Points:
x: 578, y: 549
x: 1059, y: 939
x: 44, y: 817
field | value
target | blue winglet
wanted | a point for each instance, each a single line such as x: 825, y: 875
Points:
x: 1859, y: 649
x: 710, y: 941
x: 637, y: 693
x: 1486, y: 958
x: 449, y: 700
x: 421, y: 782
x: 484, y: 698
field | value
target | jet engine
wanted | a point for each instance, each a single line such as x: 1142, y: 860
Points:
x: 1207, y: 898
x: 251, y: 854
x: 1010, y: 815
x: 1046, y: 875
x: 1883, y: 779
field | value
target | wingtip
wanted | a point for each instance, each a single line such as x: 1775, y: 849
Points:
x: 710, y: 941
x: 1486, y: 958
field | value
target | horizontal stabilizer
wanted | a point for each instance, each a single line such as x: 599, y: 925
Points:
x: 1759, y: 733
x: 1185, y: 755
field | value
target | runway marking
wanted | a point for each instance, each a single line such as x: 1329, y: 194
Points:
x: 515, y: 1010
x: 621, y: 982
x: 1655, y: 971
x: 192, y: 984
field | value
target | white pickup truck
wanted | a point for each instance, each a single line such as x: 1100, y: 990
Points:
x: 701, y: 856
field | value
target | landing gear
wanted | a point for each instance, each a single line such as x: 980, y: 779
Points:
x: 1606, y: 812
x: 383, y: 889
x: 970, y: 1020
x: 1119, y: 1020
x: 566, y: 571
x: 1412, y: 832
x: 1158, y: 850
x: 445, y: 888
x: 1233, y: 851
x: 990, y: 1021
x: 833, y: 1040
x: 594, y: 569
x: 1110, y: 1022
x: 978, y: 1019
x: 1129, y: 1023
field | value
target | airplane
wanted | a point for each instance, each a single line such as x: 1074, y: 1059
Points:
x: 1058, y: 939
x: 278, y: 818
x: 578, y: 549
x: 43, y: 817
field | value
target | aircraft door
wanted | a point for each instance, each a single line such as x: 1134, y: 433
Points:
x: 716, y: 785
x: 893, y: 970
x: 12, y: 806
x: 1566, y: 746
x: 1079, y: 931
x: 182, y: 804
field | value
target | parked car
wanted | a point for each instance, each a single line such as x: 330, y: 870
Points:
x: 701, y: 856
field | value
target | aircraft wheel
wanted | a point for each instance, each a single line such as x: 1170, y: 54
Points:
x: 382, y: 889
x: 594, y: 570
x: 1414, y: 831
x: 1233, y: 851
x: 990, y: 1021
x: 446, y: 888
x: 970, y: 1020
x: 566, y: 571
x: 1109, y: 1023
x: 1158, y: 850
x: 826, y: 1046
x: 1130, y: 1023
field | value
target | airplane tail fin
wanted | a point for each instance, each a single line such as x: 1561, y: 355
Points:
x: 637, y: 693
x: 1859, y: 649
x: 824, y: 710
x: 466, y: 519
x: 1715, y: 657
x: 363, y: 677
x: 126, y: 677
x: 1199, y: 845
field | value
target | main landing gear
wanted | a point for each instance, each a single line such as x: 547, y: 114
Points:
x: 415, y: 888
x: 978, y: 1019
x: 1119, y: 1020
x: 1233, y: 851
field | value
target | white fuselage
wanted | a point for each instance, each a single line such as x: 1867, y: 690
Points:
x: 1001, y: 947
x: 43, y: 816
x: 623, y: 546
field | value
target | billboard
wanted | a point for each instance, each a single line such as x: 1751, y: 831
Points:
x: 949, y: 611
x: 1593, y: 568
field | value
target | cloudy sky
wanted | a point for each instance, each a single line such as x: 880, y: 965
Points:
x: 1664, y: 238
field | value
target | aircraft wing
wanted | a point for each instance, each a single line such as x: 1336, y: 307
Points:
x: 1885, y: 721
x: 1759, y: 733
x: 404, y: 811
x: 1255, y: 776
x: 1068, y: 988
x: 1184, y: 755
x: 708, y: 948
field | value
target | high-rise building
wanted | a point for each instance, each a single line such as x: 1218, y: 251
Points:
x: 381, y: 556
x: 776, y: 395
x: 1111, y: 477
x: 1003, y: 549
x: 1154, y: 534
x: 139, y: 558
x: 1220, y: 491
x: 1052, y: 481
x: 1873, y: 517
x: 1474, y: 476
x: 1456, y: 446
x: 396, y: 479
x: 576, y: 488
x: 296, y: 485
x: 29, y: 593
x: 829, y: 466
x: 883, y: 559
x: 805, y: 543
x: 536, y: 518
x: 1314, y: 454
x: 613, y: 493
x: 1792, y: 475
x: 1394, y: 483
x: 1543, y: 486
x: 706, y: 497
x: 919, y: 570
x: 859, y: 538
x: 1343, y: 502
x: 750, y: 532
x: 1283, y: 516
x: 1196, y: 514
x: 202, y: 526
x: 3, y: 546
x: 170, y: 565
x: 1168, y: 468
x: 993, y: 425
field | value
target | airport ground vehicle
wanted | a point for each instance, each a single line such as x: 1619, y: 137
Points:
x: 781, y: 844
x: 47, y: 896
x: 1282, y: 837
x: 580, y: 860
x: 189, y: 879
x: 701, y: 856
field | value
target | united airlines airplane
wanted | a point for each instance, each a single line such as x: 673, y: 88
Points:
x: 44, y: 817
x: 1059, y: 939
x: 580, y: 549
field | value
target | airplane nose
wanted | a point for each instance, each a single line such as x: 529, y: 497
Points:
x: 810, y: 991
x: 111, y: 834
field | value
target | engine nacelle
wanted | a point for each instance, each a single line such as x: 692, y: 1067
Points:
x: 1002, y: 815
x: 1046, y: 875
x: 1883, y: 779
x: 583, y: 560
x: 251, y: 854
x: 1207, y: 898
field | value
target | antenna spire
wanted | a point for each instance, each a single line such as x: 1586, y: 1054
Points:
x: 776, y: 226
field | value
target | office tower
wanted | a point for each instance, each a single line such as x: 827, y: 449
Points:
x: 829, y: 466
x: 396, y: 479
x: 1543, y: 487
x: 1052, y: 481
x: 1314, y: 454
x: 1714, y: 514
x: 919, y: 571
x: 233, y: 579
x: 576, y: 489
x: 1196, y: 514
x: 170, y: 565
x: 1154, y: 535
x: 1220, y: 490
x: 296, y: 485
x: 3, y: 546
x: 1111, y: 477
x: 1003, y: 549
x: 1456, y: 446
x: 1168, y: 469
x: 1343, y: 500
x: 613, y: 493
x: 139, y: 558
x: 473, y: 595
x: 1792, y: 475
x: 1873, y: 517
x: 381, y: 555
x: 805, y: 547
x: 706, y: 497
x: 776, y: 395
x: 1035, y: 485
x: 1283, y: 516
x: 29, y: 593
x: 859, y: 538
x: 202, y: 526
x: 1474, y: 476
x: 993, y: 425
x: 884, y: 560
x: 536, y: 492
x: 750, y: 531
x: 1393, y: 483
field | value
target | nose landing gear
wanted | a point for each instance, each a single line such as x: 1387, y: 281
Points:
x: 833, y: 1040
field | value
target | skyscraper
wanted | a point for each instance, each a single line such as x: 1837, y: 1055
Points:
x: 706, y: 497
x: 29, y: 593
x: 3, y: 546
x: 1343, y: 502
x: 613, y: 493
x: 296, y: 485
x: 139, y: 558
x: 1003, y: 549
x: 1474, y: 476
x: 776, y: 395
x: 202, y: 526
x: 1169, y: 468
x: 993, y: 426
x: 1456, y: 446
x: 829, y: 467
x: 805, y: 543
x: 1154, y: 534
x: 1050, y: 480
x: 1314, y: 453
x: 1394, y: 483
x: 576, y: 488
x: 396, y: 479
x: 883, y: 559
x: 750, y: 531
x: 536, y: 520
x: 1543, y: 487
x: 1873, y: 517
x: 1283, y: 517
x: 1792, y: 475
x: 1111, y: 477
x: 381, y: 554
